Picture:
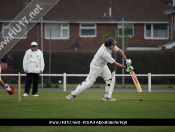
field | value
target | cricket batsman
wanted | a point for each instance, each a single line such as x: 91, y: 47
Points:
x: 4, y: 63
x: 98, y: 66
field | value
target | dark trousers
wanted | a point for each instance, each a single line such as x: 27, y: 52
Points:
x: 31, y: 77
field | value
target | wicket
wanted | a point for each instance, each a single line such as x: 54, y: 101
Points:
x: 19, y: 86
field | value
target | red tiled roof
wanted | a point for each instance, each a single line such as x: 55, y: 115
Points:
x: 94, y: 10
x: 10, y: 8
x: 131, y: 10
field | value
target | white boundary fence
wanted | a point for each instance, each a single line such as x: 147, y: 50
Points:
x: 64, y: 75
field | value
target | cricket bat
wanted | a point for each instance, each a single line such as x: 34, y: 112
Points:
x: 136, y: 81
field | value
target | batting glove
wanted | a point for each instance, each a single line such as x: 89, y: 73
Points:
x: 128, y: 62
x: 9, y: 89
x: 129, y: 68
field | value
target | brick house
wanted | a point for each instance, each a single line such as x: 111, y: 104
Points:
x: 82, y: 25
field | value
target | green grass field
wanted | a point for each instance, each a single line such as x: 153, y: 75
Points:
x: 53, y: 104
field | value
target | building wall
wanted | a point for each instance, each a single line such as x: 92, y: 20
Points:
x: 139, y: 40
x: 85, y: 43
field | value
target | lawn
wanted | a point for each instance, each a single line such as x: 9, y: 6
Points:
x: 53, y: 104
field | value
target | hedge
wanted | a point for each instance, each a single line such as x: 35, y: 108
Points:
x: 76, y: 62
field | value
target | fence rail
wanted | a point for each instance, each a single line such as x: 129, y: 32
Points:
x: 64, y: 75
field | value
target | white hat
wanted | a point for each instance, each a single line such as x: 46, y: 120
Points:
x: 34, y: 43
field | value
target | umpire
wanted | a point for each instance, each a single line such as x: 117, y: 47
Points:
x: 33, y: 65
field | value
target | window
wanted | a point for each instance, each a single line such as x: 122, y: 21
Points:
x: 156, y: 31
x: 87, y: 30
x: 56, y: 31
x: 128, y: 30
x: 16, y: 32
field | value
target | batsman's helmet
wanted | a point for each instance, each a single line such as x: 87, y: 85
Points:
x: 109, y: 41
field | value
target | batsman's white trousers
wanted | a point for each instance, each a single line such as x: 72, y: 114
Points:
x: 94, y: 72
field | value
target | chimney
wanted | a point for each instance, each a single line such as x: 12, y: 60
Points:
x: 110, y: 11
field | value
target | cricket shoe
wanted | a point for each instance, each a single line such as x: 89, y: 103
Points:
x: 35, y: 95
x: 108, y: 99
x: 70, y: 96
x: 25, y: 95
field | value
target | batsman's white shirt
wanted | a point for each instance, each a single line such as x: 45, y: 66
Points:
x: 103, y: 56
x: 33, y: 61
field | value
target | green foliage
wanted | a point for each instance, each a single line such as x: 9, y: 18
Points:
x: 170, y: 86
x: 56, y: 86
x: 13, y: 82
x: 50, y: 85
x: 115, y: 34
x: 47, y: 85
x: 127, y: 38
x: 155, y: 62
x: 108, y: 33
x: 144, y: 62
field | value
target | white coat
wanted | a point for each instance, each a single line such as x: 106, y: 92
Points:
x: 33, y: 61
